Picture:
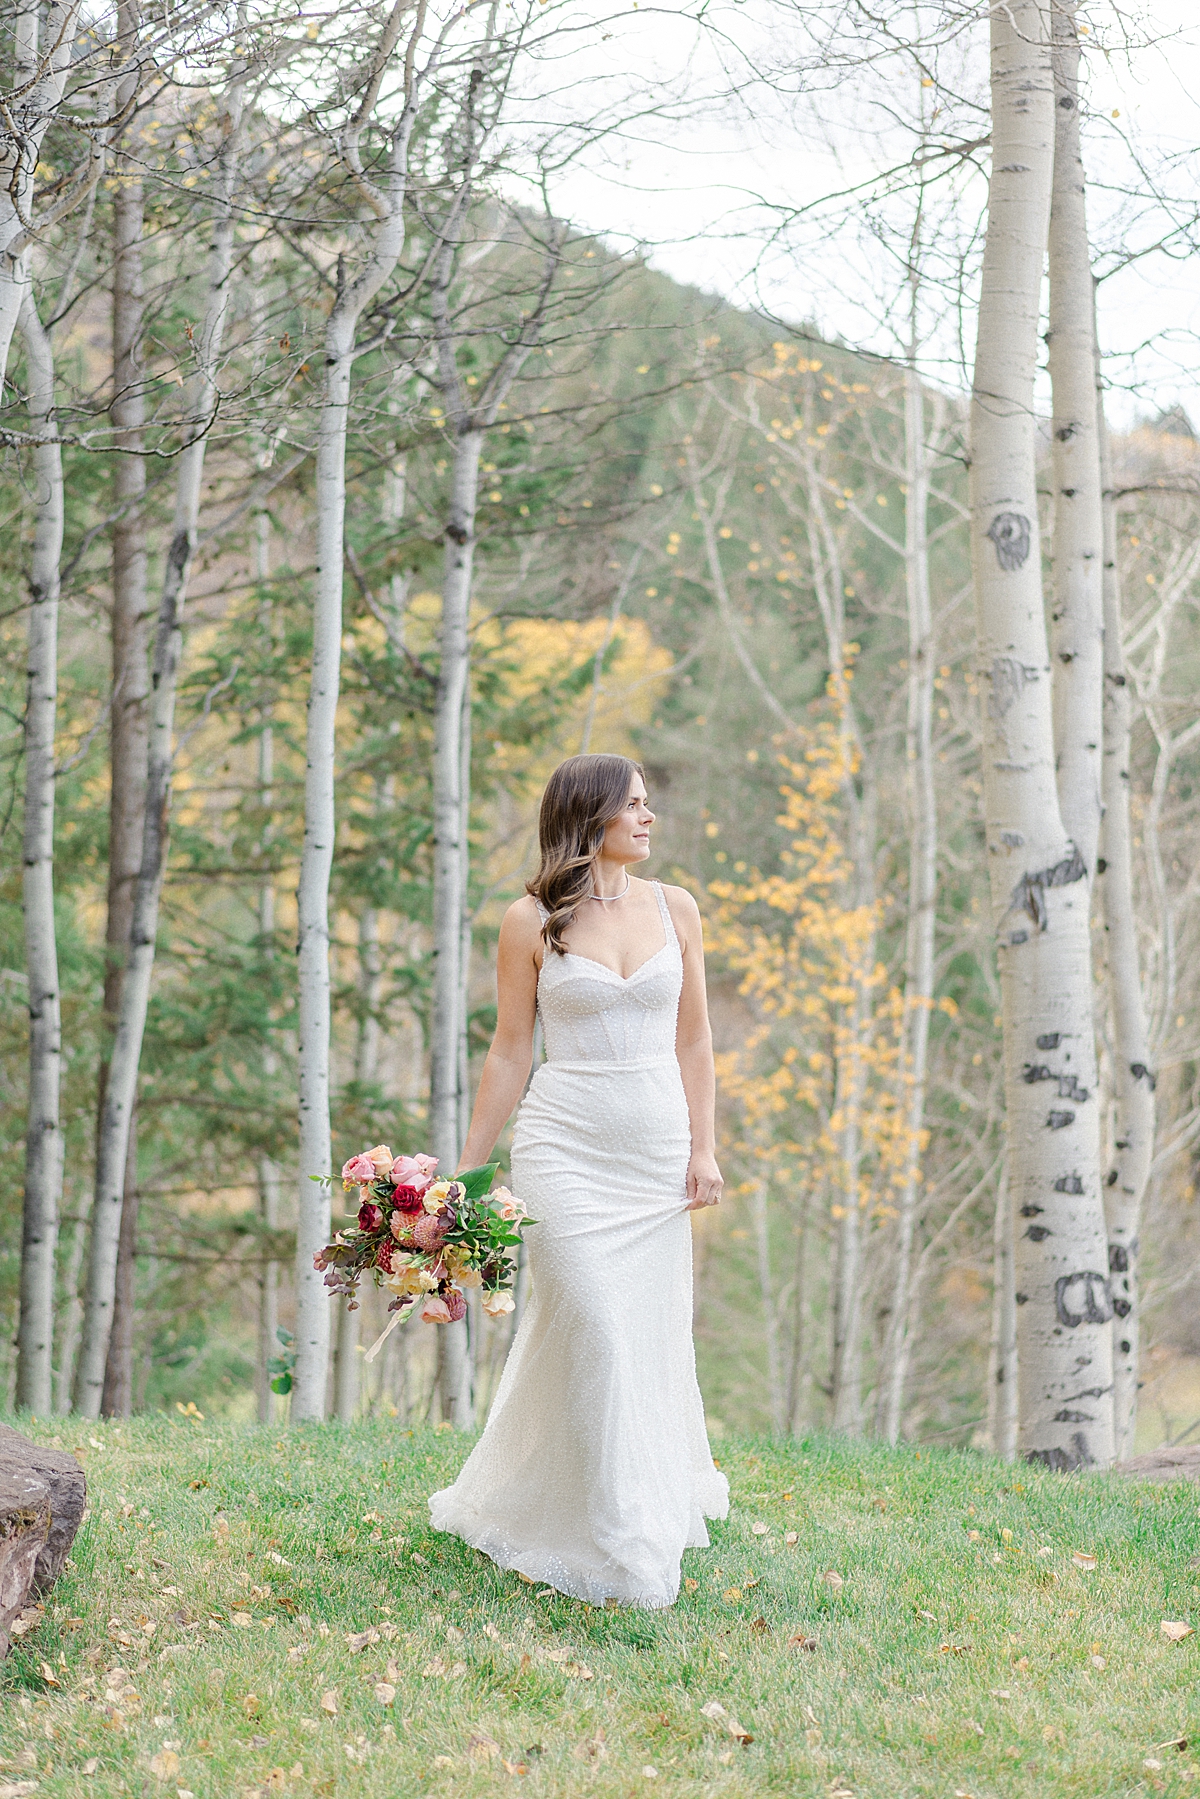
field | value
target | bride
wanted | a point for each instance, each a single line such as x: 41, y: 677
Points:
x: 594, y: 1472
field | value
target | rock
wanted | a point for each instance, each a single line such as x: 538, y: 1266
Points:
x: 1164, y: 1464
x: 24, y: 1532
x: 68, y: 1496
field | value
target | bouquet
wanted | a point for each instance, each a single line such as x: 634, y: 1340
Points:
x: 425, y: 1239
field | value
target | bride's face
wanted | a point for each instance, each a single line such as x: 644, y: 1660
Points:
x: 627, y: 836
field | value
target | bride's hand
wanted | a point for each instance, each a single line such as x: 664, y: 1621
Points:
x: 704, y: 1183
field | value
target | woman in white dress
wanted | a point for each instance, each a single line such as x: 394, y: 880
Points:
x: 594, y: 1472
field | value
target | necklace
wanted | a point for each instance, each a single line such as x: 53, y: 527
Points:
x: 606, y: 899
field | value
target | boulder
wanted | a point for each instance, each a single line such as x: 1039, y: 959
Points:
x: 24, y: 1533
x: 1164, y: 1464
x: 68, y: 1496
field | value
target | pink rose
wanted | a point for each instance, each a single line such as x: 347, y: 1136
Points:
x: 370, y: 1217
x: 508, y: 1207
x: 359, y: 1170
x: 414, y: 1171
x: 435, y: 1310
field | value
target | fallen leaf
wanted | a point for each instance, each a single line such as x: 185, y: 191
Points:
x: 385, y: 1692
x: 649, y: 1773
x: 593, y: 1749
x: 577, y: 1671
x: 798, y: 1640
x: 329, y: 1703
x: 483, y: 1748
x: 241, y: 1620
x: 453, y: 1634
x: 792, y: 1538
x: 48, y: 1675
x: 297, y: 1652
x: 1151, y: 1764
x: 90, y: 1765
x: 16, y: 1789
x: 759, y: 1530
x: 927, y: 1617
x: 514, y: 1767
x: 690, y: 1585
x: 359, y: 1642
x: 443, y: 1761
x: 833, y: 1580
x: 1083, y: 1560
x: 715, y: 1710
x: 954, y: 1648
x: 759, y: 1624
x: 392, y: 1672
x: 545, y: 1593
x: 1098, y: 1661
x: 749, y: 1582
x: 276, y: 1779
x: 739, y: 1733
x: 165, y: 1765
x: 1175, y: 1631
x: 1001, y: 1693
x: 732, y: 1594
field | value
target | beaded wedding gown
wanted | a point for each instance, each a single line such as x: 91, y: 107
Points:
x: 594, y: 1472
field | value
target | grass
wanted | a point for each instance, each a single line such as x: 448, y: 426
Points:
x: 205, y: 1616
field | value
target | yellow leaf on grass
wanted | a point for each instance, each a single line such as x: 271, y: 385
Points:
x: 833, y: 1580
x: 385, y: 1692
x: 241, y: 1620
x: 329, y: 1703
x: 732, y: 1594
x: 164, y: 1765
x: 1083, y: 1560
x: 690, y: 1585
x: 1175, y: 1631
x: 792, y: 1538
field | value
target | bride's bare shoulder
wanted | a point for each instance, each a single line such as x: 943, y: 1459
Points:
x: 683, y: 908
x: 522, y: 922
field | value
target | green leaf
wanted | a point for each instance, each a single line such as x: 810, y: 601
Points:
x: 282, y: 1383
x: 478, y: 1181
x: 284, y: 1336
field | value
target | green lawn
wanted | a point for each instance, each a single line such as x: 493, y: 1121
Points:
x: 199, y: 1639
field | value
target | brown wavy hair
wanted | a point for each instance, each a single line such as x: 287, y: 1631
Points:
x: 584, y: 794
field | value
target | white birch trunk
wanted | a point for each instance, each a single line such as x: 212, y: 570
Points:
x: 1038, y: 878
x: 43, y: 1131
x: 313, y: 1205
x: 41, y: 61
x: 269, y: 1179
x: 922, y: 878
x: 1132, y: 1146
x: 121, y: 1088
x: 1002, y: 1357
x: 766, y: 1293
x: 1077, y: 629
x: 449, y: 858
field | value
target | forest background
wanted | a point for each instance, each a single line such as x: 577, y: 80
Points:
x: 696, y: 540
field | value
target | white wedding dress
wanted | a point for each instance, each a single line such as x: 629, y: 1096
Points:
x: 594, y: 1472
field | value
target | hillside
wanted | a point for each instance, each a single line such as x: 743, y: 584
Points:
x: 936, y: 1627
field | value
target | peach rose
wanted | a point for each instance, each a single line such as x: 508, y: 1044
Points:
x: 381, y: 1156
x: 435, y: 1310
x: 496, y: 1304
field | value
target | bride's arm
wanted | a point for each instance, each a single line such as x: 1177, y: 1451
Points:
x: 506, y: 1069
x: 693, y: 1048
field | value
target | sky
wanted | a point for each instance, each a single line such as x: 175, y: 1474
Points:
x: 735, y: 196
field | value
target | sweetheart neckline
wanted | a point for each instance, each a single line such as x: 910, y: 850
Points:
x: 573, y: 956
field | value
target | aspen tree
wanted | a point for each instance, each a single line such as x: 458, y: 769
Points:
x: 384, y: 192
x: 1038, y: 878
x: 921, y: 922
x: 1131, y: 1150
x: 1077, y: 633
x: 120, y: 1093
x: 43, y: 1133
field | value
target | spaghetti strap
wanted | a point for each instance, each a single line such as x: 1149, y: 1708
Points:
x: 668, y: 921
